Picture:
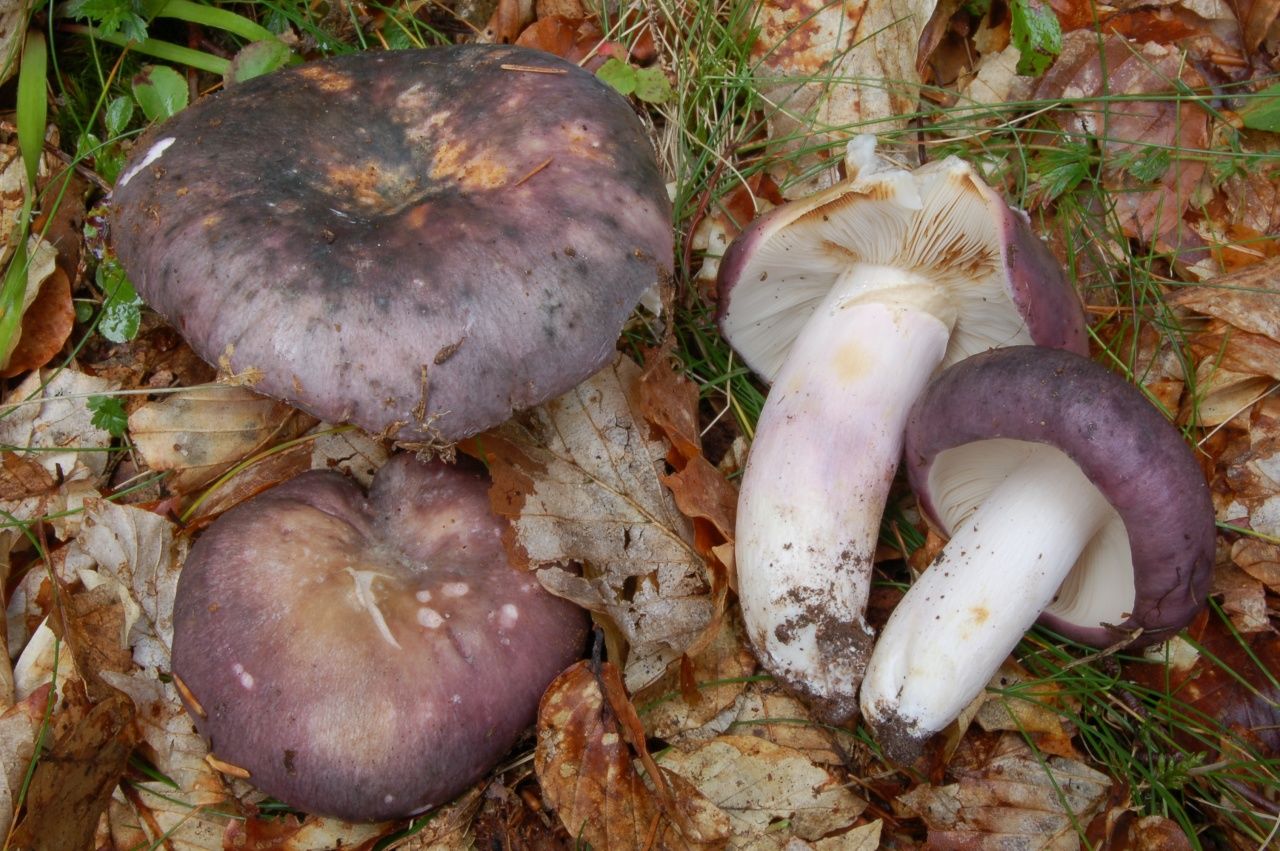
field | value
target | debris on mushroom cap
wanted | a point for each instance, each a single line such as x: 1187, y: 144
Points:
x: 1065, y: 492
x: 848, y: 302
x: 418, y: 241
x: 366, y: 657
x: 1164, y: 542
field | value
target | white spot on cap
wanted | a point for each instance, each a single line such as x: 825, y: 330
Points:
x: 388, y: 799
x: 366, y: 600
x: 152, y: 155
x: 429, y: 618
x: 245, y: 678
x: 457, y: 698
x: 424, y: 596
x: 508, y: 615
x: 455, y: 589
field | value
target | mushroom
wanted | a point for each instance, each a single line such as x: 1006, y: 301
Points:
x: 365, y: 658
x: 848, y: 301
x: 1068, y: 497
x: 419, y: 242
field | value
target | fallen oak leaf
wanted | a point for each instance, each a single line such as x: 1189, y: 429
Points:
x: 765, y: 787
x: 1013, y: 799
x: 580, y: 480
x: 588, y: 776
x: 1246, y: 299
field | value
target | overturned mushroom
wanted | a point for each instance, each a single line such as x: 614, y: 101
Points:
x: 848, y: 301
x: 419, y: 242
x: 1068, y: 498
x: 366, y: 657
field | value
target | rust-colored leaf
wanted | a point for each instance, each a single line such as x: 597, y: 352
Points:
x: 588, y: 775
x: 74, y: 780
x: 1132, y: 130
x: 1013, y: 799
x: 46, y: 324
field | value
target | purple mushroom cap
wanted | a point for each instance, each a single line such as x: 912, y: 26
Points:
x: 366, y: 657
x: 1124, y: 445
x: 419, y: 241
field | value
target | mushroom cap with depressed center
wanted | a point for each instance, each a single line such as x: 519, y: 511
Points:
x: 419, y: 242
x: 366, y: 657
x: 940, y: 222
x: 1150, y: 564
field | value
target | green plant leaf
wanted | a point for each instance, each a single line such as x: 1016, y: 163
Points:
x: 1263, y: 110
x: 652, y: 86
x: 118, y: 114
x: 258, y: 58
x: 122, y: 309
x: 1150, y: 164
x: 33, y: 107
x: 107, y: 413
x: 160, y: 91
x: 111, y: 16
x: 618, y: 75
x: 1037, y: 35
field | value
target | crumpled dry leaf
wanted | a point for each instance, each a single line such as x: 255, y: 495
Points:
x: 830, y: 70
x: 769, y: 711
x: 46, y: 324
x: 310, y: 834
x: 1014, y: 799
x: 1259, y: 559
x: 73, y: 781
x: 862, y: 838
x: 1034, y: 710
x: 761, y: 785
x: 49, y: 411
x: 1244, y: 599
x: 350, y: 451
x: 718, y: 674
x: 41, y: 256
x: 580, y: 479
x: 1136, y: 130
x: 1246, y: 299
x: 199, y: 433
x: 587, y: 773
x: 19, y: 725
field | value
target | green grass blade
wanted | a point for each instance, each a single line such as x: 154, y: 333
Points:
x: 211, y: 16
x: 159, y: 49
x: 33, y: 108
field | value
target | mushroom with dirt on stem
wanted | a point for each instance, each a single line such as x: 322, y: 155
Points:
x: 366, y: 657
x: 847, y: 302
x: 1069, y: 498
x: 419, y: 242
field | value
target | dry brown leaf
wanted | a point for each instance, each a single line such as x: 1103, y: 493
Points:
x: 1122, y: 829
x: 276, y: 468
x: 1259, y: 559
x: 1249, y: 299
x: 73, y: 781
x: 719, y: 674
x: 19, y: 725
x: 48, y: 413
x: 769, y: 711
x: 46, y: 325
x: 828, y: 70
x: 1236, y: 350
x: 588, y: 775
x: 162, y: 817
x: 994, y: 83
x: 1257, y: 17
x: 1244, y: 599
x: 761, y: 786
x: 1015, y: 799
x: 310, y: 834
x: 1135, y: 129
x: 198, y: 434
x: 580, y: 479
x: 1035, y: 711
x: 352, y: 452
x: 863, y: 838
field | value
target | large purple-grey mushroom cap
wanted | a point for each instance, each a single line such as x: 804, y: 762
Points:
x: 1068, y: 497
x: 419, y: 242
x: 366, y: 657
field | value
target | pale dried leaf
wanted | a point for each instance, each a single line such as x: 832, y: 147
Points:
x: 830, y: 70
x: 1018, y: 702
x: 13, y: 18
x: 164, y: 817
x: 1017, y: 799
x: 579, y: 477
x: 19, y: 725
x: 199, y: 433
x: 1248, y: 299
x: 1244, y: 598
x: 760, y: 784
x: 862, y: 838
x: 719, y: 672
x: 771, y: 712
x: 352, y: 452
x: 40, y: 658
x: 994, y: 82
x: 49, y: 411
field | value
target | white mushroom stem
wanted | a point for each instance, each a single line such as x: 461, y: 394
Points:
x: 826, y: 448
x: 967, y: 611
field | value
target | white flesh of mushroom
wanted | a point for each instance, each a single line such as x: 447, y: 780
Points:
x: 917, y: 283
x: 1006, y: 562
